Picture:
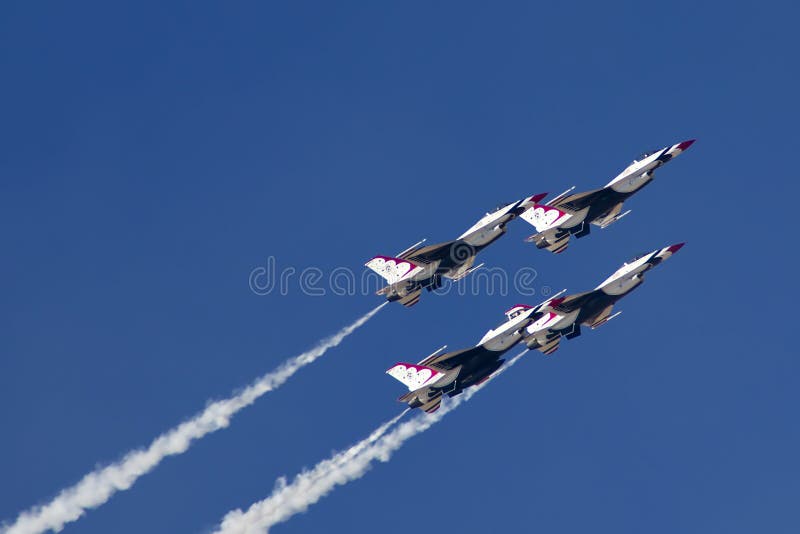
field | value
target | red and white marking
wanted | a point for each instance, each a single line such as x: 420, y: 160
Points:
x: 393, y: 269
x: 544, y: 217
x: 414, y: 376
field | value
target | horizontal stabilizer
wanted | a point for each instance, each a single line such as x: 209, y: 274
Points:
x: 545, y: 346
x: 555, y: 240
x: 551, y: 347
x: 411, y: 299
x: 414, y: 376
x: 433, y: 405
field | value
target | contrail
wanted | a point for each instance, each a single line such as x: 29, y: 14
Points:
x: 97, y: 487
x: 310, y: 486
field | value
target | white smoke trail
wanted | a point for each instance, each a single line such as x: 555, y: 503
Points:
x: 97, y: 487
x: 310, y: 486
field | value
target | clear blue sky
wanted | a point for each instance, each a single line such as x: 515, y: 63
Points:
x: 153, y: 156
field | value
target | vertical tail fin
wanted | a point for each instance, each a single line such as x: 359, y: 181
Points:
x: 414, y: 376
x: 393, y: 269
x: 544, y: 217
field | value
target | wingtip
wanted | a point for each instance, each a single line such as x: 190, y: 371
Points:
x: 686, y: 144
x: 538, y: 197
x: 675, y: 248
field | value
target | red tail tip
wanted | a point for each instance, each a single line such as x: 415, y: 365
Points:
x: 686, y: 144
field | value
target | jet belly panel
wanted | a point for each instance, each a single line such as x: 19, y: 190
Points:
x: 490, y: 225
x: 635, y: 170
x: 504, y: 341
x: 621, y: 286
x: 632, y: 183
x: 485, y: 235
x: 623, y: 280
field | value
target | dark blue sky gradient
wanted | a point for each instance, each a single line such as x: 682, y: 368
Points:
x: 153, y: 155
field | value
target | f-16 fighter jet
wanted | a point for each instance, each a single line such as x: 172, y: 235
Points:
x: 567, y: 215
x: 539, y: 327
x: 419, y: 267
x: 564, y: 316
x: 453, y: 372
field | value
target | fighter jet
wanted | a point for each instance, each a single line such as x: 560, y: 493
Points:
x: 453, y: 372
x: 422, y: 267
x: 539, y: 327
x: 563, y: 316
x: 566, y: 215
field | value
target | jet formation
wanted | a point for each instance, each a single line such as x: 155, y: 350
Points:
x: 539, y: 327
x: 423, y: 267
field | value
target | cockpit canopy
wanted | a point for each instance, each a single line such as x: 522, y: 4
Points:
x: 500, y: 206
x: 516, y: 310
x: 644, y: 155
x: 637, y: 257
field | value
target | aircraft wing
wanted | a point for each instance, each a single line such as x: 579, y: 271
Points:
x: 572, y: 302
x: 600, y: 318
x: 549, y: 347
x: 431, y: 253
x: 578, y: 201
x: 589, y: 301
x: 451, y: 360
x: 610, y: 216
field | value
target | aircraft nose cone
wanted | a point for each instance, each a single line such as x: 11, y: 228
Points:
x: 686, y: 144
x: 675, y: 248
